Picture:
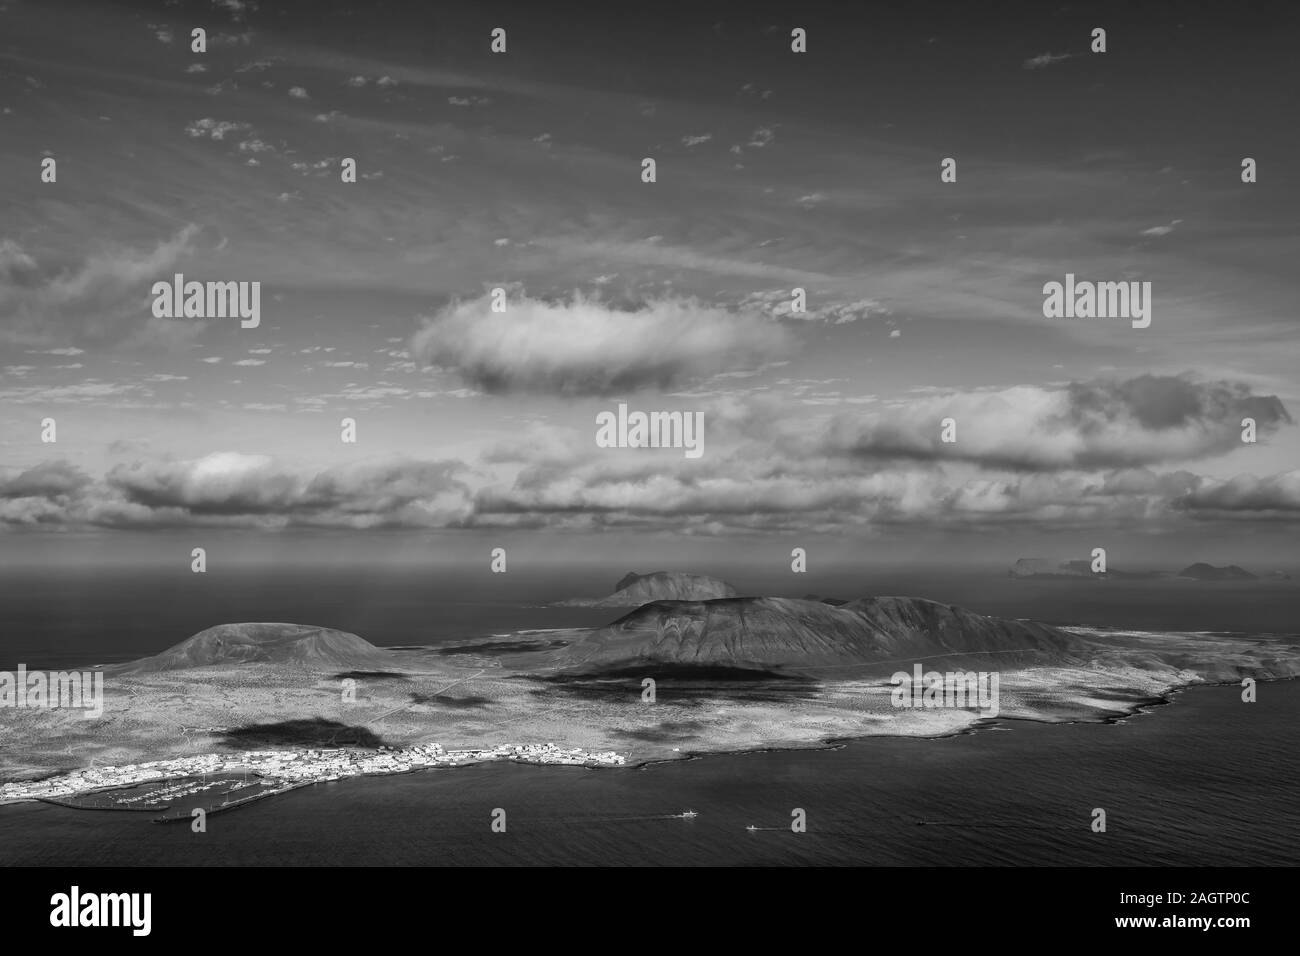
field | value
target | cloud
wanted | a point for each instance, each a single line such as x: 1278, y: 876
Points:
x: 696, y: 140
x: 1247, y: 493
x: 1161, y: 230
x: 231, y: 39
x: 48, y: 480
x: 257, y: 66
x: 214, y: 129
x: 1045, y: 60
x: 40, y: 495
x: 779, y: 303
x: 746, y: 482
x: 105, y: 298
x: 239, y: 489
x: 298, y: 93
x: 585, y: 347
x: 558, y: 484
x: 726, y: 493
x: 236, y: 8
x: 317, y: 168
x: 1140, y: 421
x: 15, y: 264
x: 652, y: 251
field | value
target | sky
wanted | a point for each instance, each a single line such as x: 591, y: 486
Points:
x: 522, y: 170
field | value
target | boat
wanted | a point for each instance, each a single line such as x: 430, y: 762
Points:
x: 687, y: 815
x: 751, y: 828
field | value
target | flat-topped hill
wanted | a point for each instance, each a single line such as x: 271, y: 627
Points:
x: 299, y: 644
x: 637, y: 589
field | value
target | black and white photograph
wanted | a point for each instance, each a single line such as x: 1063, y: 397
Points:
x: 703, y: 435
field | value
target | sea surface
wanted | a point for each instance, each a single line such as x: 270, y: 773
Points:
x: 1203, y: 780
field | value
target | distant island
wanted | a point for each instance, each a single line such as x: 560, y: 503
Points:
x: 634, y: 589
x: 1208, y: 572
x: 1081, y: 569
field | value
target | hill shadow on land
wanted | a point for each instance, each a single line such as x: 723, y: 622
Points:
x: 307, y: 732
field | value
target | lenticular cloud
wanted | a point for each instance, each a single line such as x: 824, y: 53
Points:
x: 585, y: 347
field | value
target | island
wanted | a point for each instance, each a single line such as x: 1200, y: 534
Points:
x: 240, y: 712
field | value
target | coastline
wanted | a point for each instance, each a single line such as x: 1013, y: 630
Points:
x: 530, y: 755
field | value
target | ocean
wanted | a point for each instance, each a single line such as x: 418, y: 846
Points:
x: 1204, y: 780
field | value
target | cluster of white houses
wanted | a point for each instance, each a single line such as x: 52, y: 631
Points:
x: 297, y: 766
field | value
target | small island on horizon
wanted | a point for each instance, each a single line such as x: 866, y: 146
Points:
x: 1078, y: 569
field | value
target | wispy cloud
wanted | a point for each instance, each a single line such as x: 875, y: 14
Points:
x: 105, y: 298
x: 1045, y: 60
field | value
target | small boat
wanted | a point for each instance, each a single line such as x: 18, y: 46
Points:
x: 687, y: 815
x: 751, y: 828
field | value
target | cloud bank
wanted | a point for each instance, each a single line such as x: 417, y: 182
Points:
x: 1081, y: 456
x: 1141, y: 421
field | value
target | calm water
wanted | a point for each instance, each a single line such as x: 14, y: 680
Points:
x: 1204, y: 780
